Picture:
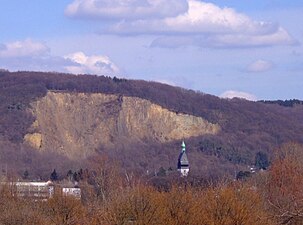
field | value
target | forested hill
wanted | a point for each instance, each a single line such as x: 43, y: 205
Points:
x: 246, y: 127
x: 286, y: 103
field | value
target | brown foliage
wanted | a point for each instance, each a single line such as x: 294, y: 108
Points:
x: 223, y: 205
x: 231, y: 205
x: 137, y: 205
x: 105, y: 177
x: 15, y: 211
x: 64, y: 210
x: 284, y: 185
x: 178, y: 206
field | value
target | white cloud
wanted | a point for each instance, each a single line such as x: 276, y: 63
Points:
x: 95, y: 64
x: 163, y: 81
x: 30, y: 55
x: 207, y: 25
x: 35, y: 56
x: 182, y: 23
x: 26, y: 48
x: 37, y: 63
x: 280, y: 37
x: 238, y: 94
x: 259, y: 66
x: 201, y: 17
x: 125, y: 9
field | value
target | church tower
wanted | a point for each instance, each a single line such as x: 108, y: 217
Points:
x: 183, y: 164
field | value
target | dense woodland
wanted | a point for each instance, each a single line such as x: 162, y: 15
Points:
x: 112, y: 196
x: 248, y: 128
x: 286, y: 103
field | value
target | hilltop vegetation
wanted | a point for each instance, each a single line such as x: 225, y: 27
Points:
x: 246, y: 127
x: 286, y: 103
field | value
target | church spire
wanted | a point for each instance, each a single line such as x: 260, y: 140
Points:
x: 183, y: 146
x: 183, y: 164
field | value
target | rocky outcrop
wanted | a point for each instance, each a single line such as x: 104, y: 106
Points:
x: 77, y: 124
x: 35, y: 140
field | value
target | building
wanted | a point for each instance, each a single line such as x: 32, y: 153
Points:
x: 183, y: 164
x: 42, y: 190
x: 70, y: 189
x: 36, y: 190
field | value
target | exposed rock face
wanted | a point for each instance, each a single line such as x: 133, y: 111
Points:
x: 35, y: 140
x: 76, y: 124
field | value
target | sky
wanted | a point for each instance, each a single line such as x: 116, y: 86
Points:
x: 228, y: 48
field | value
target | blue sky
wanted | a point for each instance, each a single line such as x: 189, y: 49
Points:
x: 249, y: 49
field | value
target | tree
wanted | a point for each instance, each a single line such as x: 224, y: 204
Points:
x: 261, y: 160
x: 25, y: 175
x: 54, y: 176
x: 137, y: 205
x: 69, y: 175
x: 232, y: 204
x: 76, y: 176
x: 65, y: 210
x: 16, y: 210
x: 283, y: 187
x: 105, y: 177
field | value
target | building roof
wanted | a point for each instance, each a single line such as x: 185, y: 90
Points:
x: 183, y: 159
x: 32, y: 183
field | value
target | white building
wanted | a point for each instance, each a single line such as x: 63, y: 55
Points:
x: 37, y: 190
x: 72, y: 191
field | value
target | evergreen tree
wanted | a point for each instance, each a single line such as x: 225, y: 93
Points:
x: 261, y: 160
x: 70, y: 175
x: 76, y: 176
x: 54, y: 176
x: 25, y: 175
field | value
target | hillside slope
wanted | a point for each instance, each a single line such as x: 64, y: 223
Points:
x: 76, y: 124
x: 67, y: 117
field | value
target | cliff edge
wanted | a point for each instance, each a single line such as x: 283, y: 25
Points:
x: 77, y: 124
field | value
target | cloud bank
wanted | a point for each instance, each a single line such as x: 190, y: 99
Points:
x: 182, y: 23
x: 30, y: 55
x: 201, y: 17
x: 36, y: 56
x: 125, y: 9
x: 238, y: 94
x: 26, y: 48
x: 95, y: 64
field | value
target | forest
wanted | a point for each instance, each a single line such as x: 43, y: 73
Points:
x: 247, y: 128
x: 112, y: 196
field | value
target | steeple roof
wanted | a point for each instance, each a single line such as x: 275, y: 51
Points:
x: 183, y: 146
x: 183, y: 160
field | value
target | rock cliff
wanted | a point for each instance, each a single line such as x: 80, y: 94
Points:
x: 77, y: 124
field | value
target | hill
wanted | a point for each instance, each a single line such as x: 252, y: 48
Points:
x: 52, y: 120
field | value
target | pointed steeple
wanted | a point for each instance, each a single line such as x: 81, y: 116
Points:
x: 183, y: 146
x: 183, y: 164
